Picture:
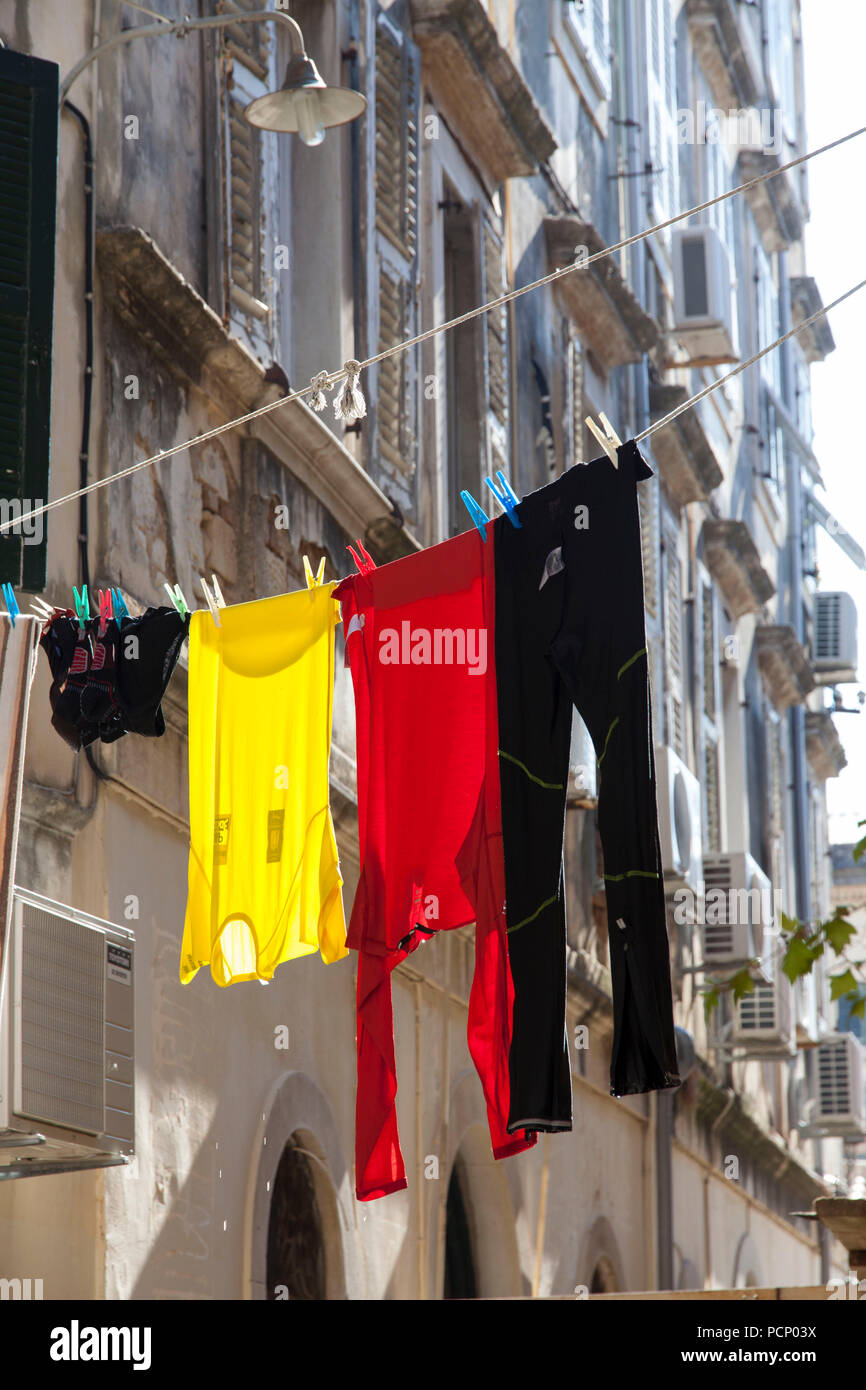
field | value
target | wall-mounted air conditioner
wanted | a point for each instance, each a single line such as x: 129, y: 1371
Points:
x: 67, y: 1057
x: 834, y: 645
x: 738, y: 916
x: 678, y: 795
x: 839, y: 1104
x: 582, y: 768
x: 703, y: 298
x: 763, y: 1023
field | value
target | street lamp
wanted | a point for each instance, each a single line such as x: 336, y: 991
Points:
x: 304, y: 104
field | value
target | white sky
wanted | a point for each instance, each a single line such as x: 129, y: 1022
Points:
x: 834, y: 41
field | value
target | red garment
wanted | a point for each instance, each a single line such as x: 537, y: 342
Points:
x: 420, y: 641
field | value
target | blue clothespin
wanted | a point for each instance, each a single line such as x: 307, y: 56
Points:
x: 506, y: 498
x: 11, y: 603
x: 479, y: 516
x: 120, y: 609
x: 82, y: 605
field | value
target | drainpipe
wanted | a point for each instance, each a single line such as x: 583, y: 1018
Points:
x: 352, y: 57
x: 797, y: 713
x: 626, y: 23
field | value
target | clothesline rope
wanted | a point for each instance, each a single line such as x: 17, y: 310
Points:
x: 756, y: 357
x: 578, y: 264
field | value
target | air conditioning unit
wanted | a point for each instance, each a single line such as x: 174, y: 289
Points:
x: 703, y: 299
x: 738, y: 916
x: 678, y: 795
x: 763, y: 1024
x: 839, y: 1104
x: 582, y: 766
x: 806, y: 1010
x: 834, y: 648
x: 67, y: 1036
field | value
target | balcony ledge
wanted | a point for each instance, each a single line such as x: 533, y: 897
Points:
x: 688, y: 465
x: 733, y: 560
x: 171, y: 319
x: 774, y: 203
x: 722, y: 52
x: 823, y: 745
x: 784, y: 666
x: 607, y: 314
x: 480, y: 87
x: 817, y: 341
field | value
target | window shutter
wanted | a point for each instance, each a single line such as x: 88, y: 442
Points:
x: 775, y: 798
x: 575, y: 399
x: 496, y: 348
x: 708, y: 636
x: 395, y: 175
x: 662, y: 103
x: 250, y: 174
x: 28, y: 176
x: 674, y: 644
x: 648, y: 506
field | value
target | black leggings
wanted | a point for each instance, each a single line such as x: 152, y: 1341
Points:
x: 570, y: 628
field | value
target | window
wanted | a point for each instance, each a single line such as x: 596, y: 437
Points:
x: 589, y: 23
x: 247, y: 71
x: 675, y: 735
x: 710, y: 710
x: 772, y: 445
x: 767, y: 307
x: 28, y: 154
x: 462, y: 357
x: 662, y: 150
x: 395, y: 186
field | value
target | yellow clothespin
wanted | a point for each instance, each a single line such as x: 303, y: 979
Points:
x: 313, y: 581
x: 214, y: 600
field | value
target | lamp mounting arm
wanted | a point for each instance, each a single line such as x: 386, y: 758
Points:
x: 182, y: 27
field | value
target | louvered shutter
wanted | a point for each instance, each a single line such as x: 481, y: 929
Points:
x: 28, y: 178
x: 648, y: 505
x: 673, y: 639
x: 662, y: 106
x: 710, y: 720
x: 397, y: 94
x: 495, y: 329
x: 775, y: 798
x: 574, y: 397
x: 250, y: 181
x: 590, y: 19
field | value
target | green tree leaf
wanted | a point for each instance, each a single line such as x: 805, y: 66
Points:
x: 711, y: 999
x: 842, y: 984
x: 742, y: 983
x: 838, y: 933
x: 799, y: 958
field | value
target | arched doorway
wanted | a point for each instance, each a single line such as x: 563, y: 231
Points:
x: 299, y: 1199
x: 460, y: 1276
x: 296, y: 1260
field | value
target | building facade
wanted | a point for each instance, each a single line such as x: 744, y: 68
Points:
x: 501, y: 141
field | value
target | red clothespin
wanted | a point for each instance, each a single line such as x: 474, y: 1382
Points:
x: 106, y: 610
x: 364, y: 565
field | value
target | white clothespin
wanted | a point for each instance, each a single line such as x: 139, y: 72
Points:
x: 214, y: 600
x: 42, y: 609
x: 609, y: 440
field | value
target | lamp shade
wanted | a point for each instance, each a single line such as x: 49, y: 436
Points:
x: 304, y: 104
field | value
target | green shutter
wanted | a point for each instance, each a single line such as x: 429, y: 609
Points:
x: 28, y: 198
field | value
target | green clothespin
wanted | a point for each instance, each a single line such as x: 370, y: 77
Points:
x: 82, y: 606
x: 177, y: 599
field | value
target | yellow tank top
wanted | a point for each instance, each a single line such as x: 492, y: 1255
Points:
x: 264, y: 876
